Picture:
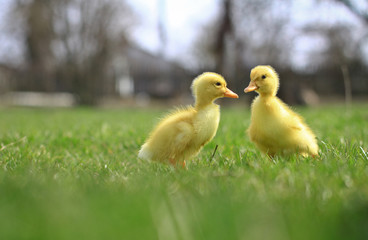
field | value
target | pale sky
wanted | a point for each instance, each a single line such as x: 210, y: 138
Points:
x: 186, y: 18
x: 183, y: 19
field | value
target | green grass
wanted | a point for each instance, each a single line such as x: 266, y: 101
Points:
x: 74, y: 174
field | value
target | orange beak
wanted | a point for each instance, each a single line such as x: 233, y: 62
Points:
x: 230, y: 94
x: 252, y: 87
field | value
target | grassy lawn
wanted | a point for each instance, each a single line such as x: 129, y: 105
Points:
x: 74, y: 174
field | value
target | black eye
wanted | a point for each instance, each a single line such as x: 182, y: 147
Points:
x: 263, y: 76
x: 218, y: 84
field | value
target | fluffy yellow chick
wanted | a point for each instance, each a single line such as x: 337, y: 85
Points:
x: 274, y: 127
x: 183, y: 133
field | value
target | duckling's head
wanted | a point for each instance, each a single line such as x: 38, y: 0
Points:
x: 264, y: 80
x: 209, y: 86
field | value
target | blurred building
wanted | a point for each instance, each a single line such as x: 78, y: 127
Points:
x: 134, y: 71
x: 156, y: 76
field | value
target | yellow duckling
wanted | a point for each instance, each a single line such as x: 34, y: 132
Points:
x: 183, y: 133
x: 274, y: 127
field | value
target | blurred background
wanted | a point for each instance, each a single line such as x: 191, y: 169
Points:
x: 140, y: 52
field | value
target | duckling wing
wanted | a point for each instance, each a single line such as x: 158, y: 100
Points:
x: 170, y: 139
x: 301, y: 135
x: 291, y: 119
x: 295, y: 123
x: 184, y: 134
x: 179, y: 136
x: 180, y: 129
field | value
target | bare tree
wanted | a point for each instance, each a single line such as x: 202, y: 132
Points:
x: 351, y: 5
x: 70, y: 44
x: 256, y: 38
x: 87, y: 46
x: 224, y: 31
x: 37, y: 37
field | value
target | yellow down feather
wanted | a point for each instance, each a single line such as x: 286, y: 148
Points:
x: 274, y: 127
x: 182, y: 133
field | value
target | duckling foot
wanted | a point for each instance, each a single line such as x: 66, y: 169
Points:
x: 172, y: 161
x: 183, y: 164
x: 315, y: 156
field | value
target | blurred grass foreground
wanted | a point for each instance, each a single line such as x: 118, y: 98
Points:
x: 74, y: 174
